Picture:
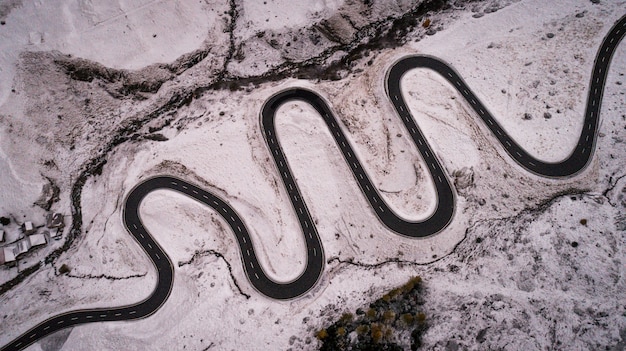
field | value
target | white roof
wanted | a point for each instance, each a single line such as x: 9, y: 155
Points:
x: 7, y: 254
x: 21, y: 247
x: 37, y: 239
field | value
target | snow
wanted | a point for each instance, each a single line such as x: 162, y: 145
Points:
x: 507, y: 263
x: 278, y: 14
x: 120, y: 34
x: 24, y: 191
x: 536, y: 76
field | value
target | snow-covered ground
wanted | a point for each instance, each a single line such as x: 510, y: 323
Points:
x: 528, y: 262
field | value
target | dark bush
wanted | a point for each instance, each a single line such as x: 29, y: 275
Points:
x: 64, y: 269
x: 379, y: 327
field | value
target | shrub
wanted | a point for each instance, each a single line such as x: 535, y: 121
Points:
x: 395, y: 293
x: 64, y: 269
x: 371, y: 313
x: 382, y: 326
x: 362, y: 329
x: 389, y: 316
x: 346, y: 318
x: 322, y: 334
x: 377, y: 332
x: 411, y: 284
x: 416, y: 280
x: 407, y: 318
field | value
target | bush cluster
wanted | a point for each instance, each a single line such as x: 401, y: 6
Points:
x: 379, y: 326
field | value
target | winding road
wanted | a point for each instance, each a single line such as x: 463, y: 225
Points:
x: 439, y: 219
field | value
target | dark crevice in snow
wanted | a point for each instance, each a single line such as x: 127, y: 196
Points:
x: 25, y: 273
x: 369, y: 266
x: 204, y: 253
x: 102, y: 276
x: 612, y: 184
x: 390, y: 32
x: 543, y: 205
x: 540, y: 208
x: 232, y: 44
x: 397, y: 261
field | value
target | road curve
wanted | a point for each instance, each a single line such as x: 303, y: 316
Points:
x: 440, y: 218
x: 571, y: 165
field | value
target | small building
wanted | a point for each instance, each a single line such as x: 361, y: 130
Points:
x: 28, y: 228
x: 55, y: 220
x: 22, y: 247
x: 7, y: 255
x: 10, y: 254
x: 37, y: 240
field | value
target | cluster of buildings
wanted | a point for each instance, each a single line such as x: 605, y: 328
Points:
x: 29, y: 238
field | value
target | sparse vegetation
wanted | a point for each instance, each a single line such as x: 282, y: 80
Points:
x: 321, y: 334
x: 346, y: 318
x: 371, y: 313
x: 380, y: 327
x: 407, y: 319
x: 389, y: 316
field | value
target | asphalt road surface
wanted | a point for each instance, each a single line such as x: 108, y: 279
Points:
x: 440, y: 218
